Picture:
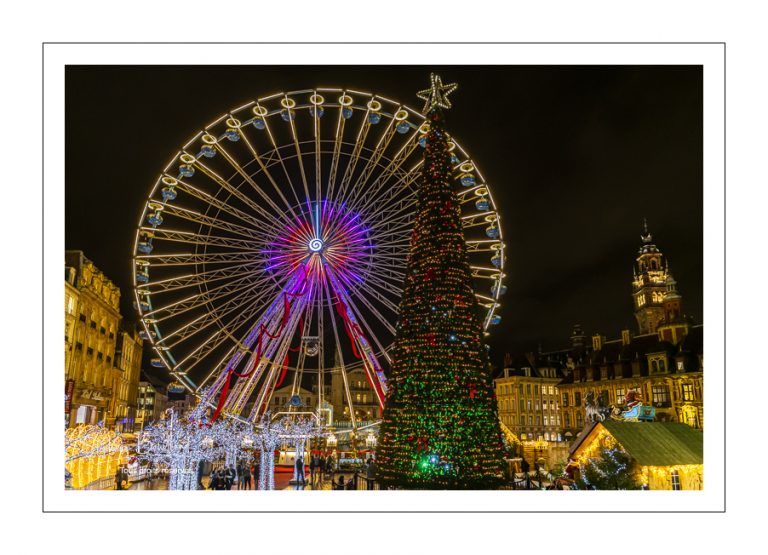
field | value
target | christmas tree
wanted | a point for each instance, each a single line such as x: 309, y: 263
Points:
x: 440, y: 424
x: 612, y: 469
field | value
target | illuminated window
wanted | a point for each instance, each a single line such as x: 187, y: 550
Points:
x: 620, y: 395
x: 530, y: 420
x: 546, y: 421
x: 660, y: 396
x: 565, y: 399
x: 578, y: 420
x: 675, y: 480
x: 567, y: 420
x: 688, y: 392
x: 577, y: 399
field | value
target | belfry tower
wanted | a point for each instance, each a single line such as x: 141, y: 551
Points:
x: 649, y: 285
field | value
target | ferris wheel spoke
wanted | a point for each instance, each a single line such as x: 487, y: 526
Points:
x: 300, y: 157
x: 355, y: 156
x: 268, y: 175
x: 274, y: 354
x: 277, y: 213
x: 195, y: 279
x: 399, y: 198
x: 188, y: 258
x: 388, y: 287
x: 188, y: 237
x: 345, y: 193
x: 217, y: 203
x: 212, y: 342
x: 204, y: 321
x: 238, y: 194
x: 334, y: 167
x: 340, y: 355
x: 209, y: 221
x: 276, y: 151
x: 391, y: 169
x: 202, y: 299
x: 271, y: 322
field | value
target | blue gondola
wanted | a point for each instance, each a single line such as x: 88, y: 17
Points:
x: 287, y: 115
x: 316, y: 111
x: 155, y: 219
x: 501, y: 290
x: 495, y: 320
x: 496, y: 261
x: 232, y: 135
x: 185, y: 170
x: 468, y: 180
x: 423, y: 142
x: 374, y: 118
x: 147, y: 336
x: 346, y: 112
x: 492, y: 232
x: 142, y: 277
x: 482, y: 204
x: 454, y: 159
x: 403, y: 127
x: 168, y: 193
x: 208, y: 151
x: 144, y: 247
x: 259, y: 123
x: 157, y: 363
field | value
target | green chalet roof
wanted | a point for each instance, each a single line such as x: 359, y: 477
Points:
x: 657, y: 443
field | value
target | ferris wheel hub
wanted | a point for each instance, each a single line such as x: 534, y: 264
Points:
x: 316, y: 245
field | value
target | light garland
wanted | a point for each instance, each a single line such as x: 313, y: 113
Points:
x: 91, y: 453
x: 180, y: 444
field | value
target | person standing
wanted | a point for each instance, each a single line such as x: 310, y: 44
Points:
x: 239, y: 476
x: 312, y: 465
x: 246, y: 477
x: 321, y: 468
x: 370, y: 472
x: 300, y: 469
x: 255, y: 474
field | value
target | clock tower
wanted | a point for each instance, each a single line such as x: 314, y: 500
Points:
x: 649, y: 285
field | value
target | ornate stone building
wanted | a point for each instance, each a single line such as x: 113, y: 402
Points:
x: 128, y: 361
x: 663, y: 364
x: 92, y: 319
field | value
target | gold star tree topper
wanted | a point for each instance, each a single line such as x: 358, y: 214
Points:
x: 437, y: 94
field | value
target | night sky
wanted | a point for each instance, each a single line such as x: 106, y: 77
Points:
x: 576, y: 157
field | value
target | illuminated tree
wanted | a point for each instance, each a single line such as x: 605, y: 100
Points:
x: 440, y: 426
x: 613, y: 469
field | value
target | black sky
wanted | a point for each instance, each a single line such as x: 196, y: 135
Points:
x: 576, y: 157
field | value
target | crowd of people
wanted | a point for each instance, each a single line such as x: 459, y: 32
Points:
x: 321, y: 471
x: 244, y: 475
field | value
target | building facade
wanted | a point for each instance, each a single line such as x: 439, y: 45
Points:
x: 151, y: 403
x: 126, y: 388
x: 92, y: 319
x: 527, y: 397
x: 356, y: 392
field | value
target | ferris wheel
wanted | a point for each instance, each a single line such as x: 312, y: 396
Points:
x: 272, y: 248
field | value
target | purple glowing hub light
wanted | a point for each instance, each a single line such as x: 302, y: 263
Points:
x: 328, y: 231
